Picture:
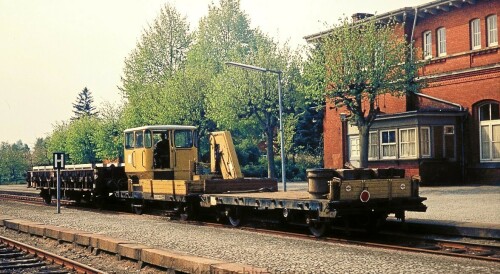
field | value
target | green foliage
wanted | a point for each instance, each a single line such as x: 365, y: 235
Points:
x: 89, y: 139
x: 308, y: 137
x: 297, y: 166
x: 56, y: 142
x: 362, y: 61
x: 83, y: 105
x: 80, y: 144
x: 14, y: 161
x: 159, y: 54
x: 108, y: 133
x: 40, y: 155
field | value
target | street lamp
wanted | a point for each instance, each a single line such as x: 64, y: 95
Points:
x: 250, y: 67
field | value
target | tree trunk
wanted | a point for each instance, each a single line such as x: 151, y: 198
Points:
x: 271, y: 171
x: 364, y: 134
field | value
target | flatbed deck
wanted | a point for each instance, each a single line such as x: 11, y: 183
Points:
x: 292, y: 195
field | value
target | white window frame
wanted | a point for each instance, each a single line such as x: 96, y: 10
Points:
x: 492, y: 30
x: 475, y: 33
x: 389, y: 144
x: 489, y: 124
x: 373, y: 147
x: 412, y: 153
x: 441, y: 41
x: 425, y: 143
x: 427, y: 38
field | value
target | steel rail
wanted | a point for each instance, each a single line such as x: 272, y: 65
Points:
x: 21, y: 197
x: 51, y: 257
x: 437, y: 247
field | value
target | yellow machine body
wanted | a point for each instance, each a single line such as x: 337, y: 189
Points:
x: 160, y: 172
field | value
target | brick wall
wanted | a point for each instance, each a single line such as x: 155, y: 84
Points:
x: 464, y: 76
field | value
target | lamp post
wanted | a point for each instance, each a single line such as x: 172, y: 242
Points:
x: 280, y: 99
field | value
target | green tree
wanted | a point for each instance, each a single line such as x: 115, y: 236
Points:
x: 108, y: 133
x: 362, y: 61
x: 80, y: 140
x: 57, y: 140
x: 160, y: 52
x: 309, y: 135
x: 14, y: 161
x: 83, y: 105
x: 251, y: 95
x: 223, y: 34
x: 40, y: 155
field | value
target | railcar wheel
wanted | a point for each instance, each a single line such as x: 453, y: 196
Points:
x: 47, y: 198
x: 186, y: 213
x: 137, y: 208
x: 318, y: 229
x: 234, y: 216
x: 234, y: 221
x: 376, y: 222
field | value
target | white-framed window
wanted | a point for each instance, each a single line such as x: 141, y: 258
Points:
x: 425, y: 141
x: 373, y: 149
x: 408, y: 143
x: 388, y: 144
x: 441, y: 41
x: 489, y: 132
x: 354, y: 148
x: 475, y: 33
x: 427, y: 38
x: 492, y: 30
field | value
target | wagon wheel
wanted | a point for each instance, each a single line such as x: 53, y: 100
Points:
x: 186, y: 213
x: 318, y: 229
x: 375, y: 223
x: 234, y: 216
x: 138, y: 208
x: 47, y: 198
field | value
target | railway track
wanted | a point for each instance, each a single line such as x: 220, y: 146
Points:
x: 28, y: 198
x: 16, y: 257
x: 387, y: 240
x: 462, y: 248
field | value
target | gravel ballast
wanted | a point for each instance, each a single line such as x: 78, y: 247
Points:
x: 278, y: 254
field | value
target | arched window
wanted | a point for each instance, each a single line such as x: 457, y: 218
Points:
x: 489, y: 132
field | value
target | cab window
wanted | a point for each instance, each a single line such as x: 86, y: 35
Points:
x: 139, y: 142
x: 147, y: 139
x: 183, y: 138
x: 129, y: 140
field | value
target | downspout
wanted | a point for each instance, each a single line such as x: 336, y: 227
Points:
x: 462, y: 162
x: 413, y: 30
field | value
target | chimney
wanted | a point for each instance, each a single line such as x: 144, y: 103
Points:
x: 360, y: 16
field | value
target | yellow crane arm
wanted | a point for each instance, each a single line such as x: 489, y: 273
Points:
x: 223, y: 157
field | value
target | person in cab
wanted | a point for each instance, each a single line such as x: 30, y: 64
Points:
x: 162, y: 152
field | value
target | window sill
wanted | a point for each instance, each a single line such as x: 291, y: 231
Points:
x: 473, y: 52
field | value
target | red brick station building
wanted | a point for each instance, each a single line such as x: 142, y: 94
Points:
x: 450, y: 132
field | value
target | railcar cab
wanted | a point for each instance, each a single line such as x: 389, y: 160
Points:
x: 160, y: 152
